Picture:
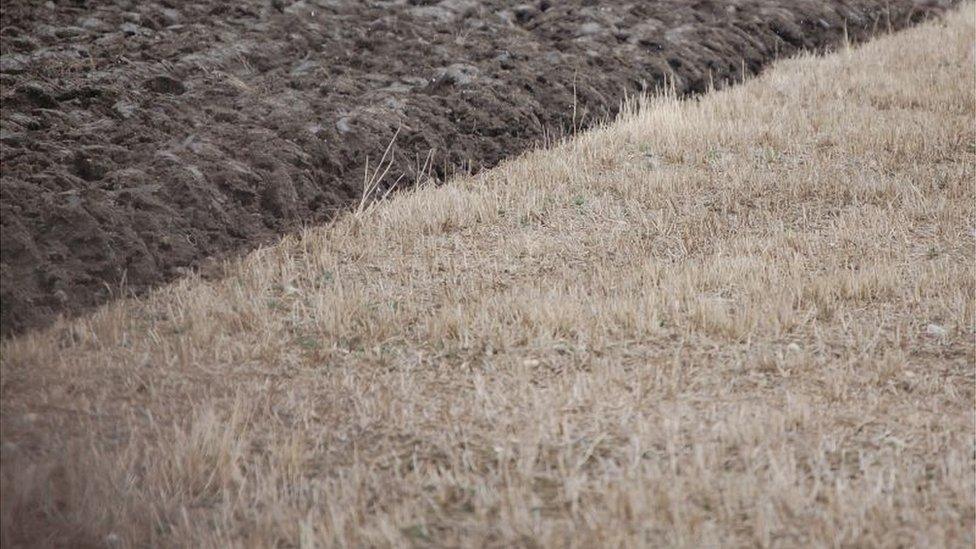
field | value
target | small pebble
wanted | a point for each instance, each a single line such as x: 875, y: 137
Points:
x: 129, y: 28
x: 590, y: 28
x: 935, y: 330
x: 124, y: 109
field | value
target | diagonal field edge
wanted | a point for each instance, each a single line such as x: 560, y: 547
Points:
x: 743, y: 320
x: 139, y: 145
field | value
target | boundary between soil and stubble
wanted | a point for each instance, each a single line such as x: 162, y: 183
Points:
x: 745, y: 319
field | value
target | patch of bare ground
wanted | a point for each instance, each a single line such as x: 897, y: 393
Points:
x: 746, y: 319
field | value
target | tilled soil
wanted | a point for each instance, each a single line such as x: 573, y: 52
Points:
x: 142, y: 139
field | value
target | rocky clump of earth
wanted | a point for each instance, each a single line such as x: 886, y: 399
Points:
x: 142, y: 139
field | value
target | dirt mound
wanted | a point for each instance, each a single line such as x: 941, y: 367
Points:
x: 140, y: 139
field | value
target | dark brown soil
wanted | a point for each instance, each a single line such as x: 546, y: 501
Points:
x: 141, y: 139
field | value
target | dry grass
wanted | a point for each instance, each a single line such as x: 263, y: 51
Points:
x: 744, y: 320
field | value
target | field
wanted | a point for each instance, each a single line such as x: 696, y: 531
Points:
x: 143, y: 140
x: 741, y: 319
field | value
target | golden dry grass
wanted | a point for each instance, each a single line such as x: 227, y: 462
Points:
x: 741, y: 320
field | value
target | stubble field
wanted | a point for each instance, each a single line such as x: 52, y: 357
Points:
x: 744, y: 319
